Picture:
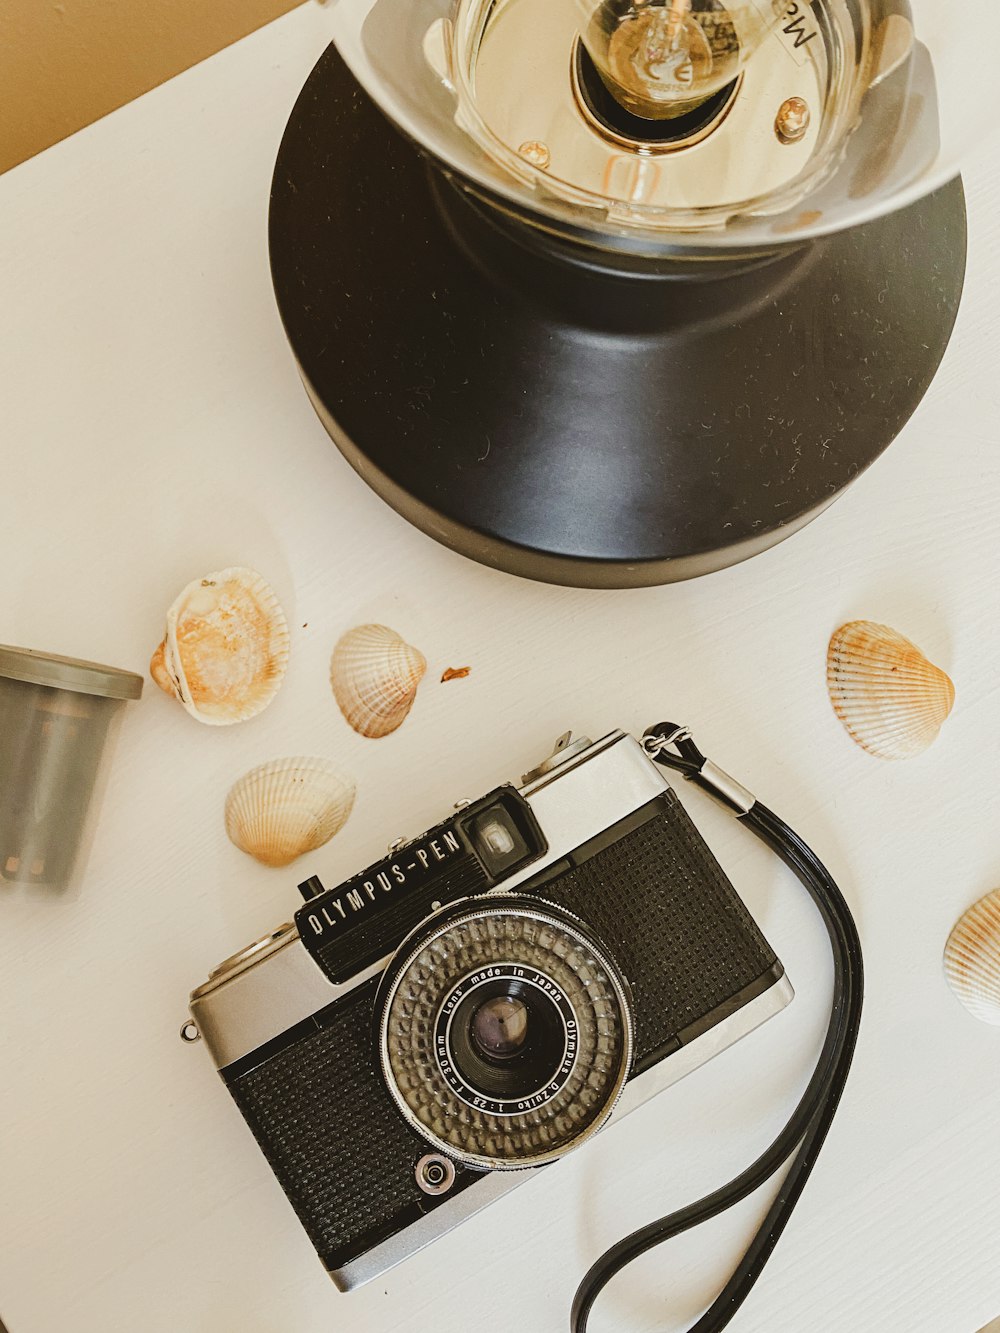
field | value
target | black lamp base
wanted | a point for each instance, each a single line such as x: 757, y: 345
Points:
x: 575, y: 423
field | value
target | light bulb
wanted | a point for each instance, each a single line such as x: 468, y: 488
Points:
x: 663, y: 58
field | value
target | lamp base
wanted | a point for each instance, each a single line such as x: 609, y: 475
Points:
x: 576, y: 423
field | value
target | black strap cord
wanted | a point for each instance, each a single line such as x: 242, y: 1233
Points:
x: 807, y: 1128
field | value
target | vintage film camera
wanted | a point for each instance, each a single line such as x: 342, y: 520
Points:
x: 482, y: 1000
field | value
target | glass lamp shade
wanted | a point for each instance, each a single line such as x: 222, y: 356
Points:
x: 665, y: 127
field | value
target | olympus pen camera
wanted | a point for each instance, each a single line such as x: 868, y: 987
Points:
x: 482, y: 1000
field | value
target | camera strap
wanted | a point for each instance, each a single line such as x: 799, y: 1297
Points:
x: 802, y: 1137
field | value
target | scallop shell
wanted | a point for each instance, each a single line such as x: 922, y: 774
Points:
x: 375, y: 674
x: 889, y: 697
x: 284, y: 808
x: 226, y: 647
x: 972, y: 959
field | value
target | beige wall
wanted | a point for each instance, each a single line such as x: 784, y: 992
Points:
x: 65, y: 63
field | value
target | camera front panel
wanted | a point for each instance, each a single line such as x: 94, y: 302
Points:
x: 652, y: 891
x: 648, y: 888
x: 340, y: 1150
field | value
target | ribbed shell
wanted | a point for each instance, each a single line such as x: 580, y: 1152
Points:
x: 286, y: 807
x: 972, y: 959
x: 889, y: 697
x: 226, y: 647
x: 375, y: 674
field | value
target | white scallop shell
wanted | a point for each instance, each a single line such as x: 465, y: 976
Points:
x: 375, y: 674
x: 286, y: 807
x: 889, y: 697
x: 972, y: 959
x: 225, y: 651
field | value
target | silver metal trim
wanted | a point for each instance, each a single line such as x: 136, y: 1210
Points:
x: 532, y: 783
x: 494, y: 1185
x: 251, y: 1006
x: 427, y: 1229
x: 564, y: 749
x: 727, y: 788
x: 702, y: 1049
x: 246, y: 957
x: 654, y: 744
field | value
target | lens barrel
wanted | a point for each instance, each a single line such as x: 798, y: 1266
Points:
x: 505, y: 1032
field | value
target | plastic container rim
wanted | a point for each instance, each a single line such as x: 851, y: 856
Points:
x: 34, y: 667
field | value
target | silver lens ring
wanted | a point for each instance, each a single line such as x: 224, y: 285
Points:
x: 504, y: 1106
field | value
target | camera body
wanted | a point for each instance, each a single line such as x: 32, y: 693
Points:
x: 483, y: 1000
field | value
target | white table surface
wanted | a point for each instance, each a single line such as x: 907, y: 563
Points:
x: 154, y: 429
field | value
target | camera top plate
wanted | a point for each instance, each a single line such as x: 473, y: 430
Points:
x: 351, y: 926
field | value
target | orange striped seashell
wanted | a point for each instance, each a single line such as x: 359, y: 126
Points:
x: 972, y: 959
x: 284, y: 808
x: 891, y: 700
x: 374, y: 674
x: 226, y: 647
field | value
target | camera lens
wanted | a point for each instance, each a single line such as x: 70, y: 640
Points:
x: 505, y: 1033
x: 499, y: 1027
x: 504, y: 1036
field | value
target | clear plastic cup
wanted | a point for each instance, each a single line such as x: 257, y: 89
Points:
x: 57, y: 715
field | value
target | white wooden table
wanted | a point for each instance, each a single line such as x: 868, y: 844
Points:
x: 154, y: 429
